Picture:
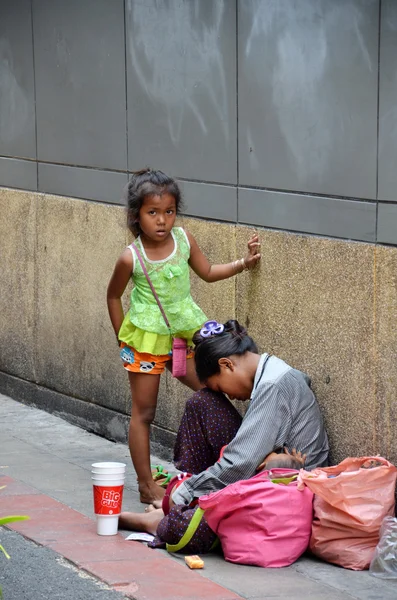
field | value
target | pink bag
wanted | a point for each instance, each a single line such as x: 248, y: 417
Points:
x: 179, y: 353
x: 260, y: 522
x: 350, y: 503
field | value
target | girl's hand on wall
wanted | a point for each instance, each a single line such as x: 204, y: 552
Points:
x: 253, y: 256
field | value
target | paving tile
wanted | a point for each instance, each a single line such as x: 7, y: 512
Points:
x: 34, y: 503
x: 15, y: 488
x: 137, y: 592
x: 48, y: 534
x: 156, y: 580
x: 128, y: 590
x: 103, y: 549
x: 115, y: 572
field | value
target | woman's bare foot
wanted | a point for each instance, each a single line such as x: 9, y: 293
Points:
x: 147, y: 521
x: 151, y: 493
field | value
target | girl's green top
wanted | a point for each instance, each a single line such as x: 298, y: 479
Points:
x: 144, y: 327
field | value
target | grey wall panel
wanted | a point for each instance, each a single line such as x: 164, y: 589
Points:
x: 80, y: 82
x: 20, y: 174
x: 387, y: 183
x: 91, y: 184
x: 324, y: 216
x: 17, y: 118
x: 181, y: 58
x: 387, y: 223
x: 209, y: 201
x: 308, y: 95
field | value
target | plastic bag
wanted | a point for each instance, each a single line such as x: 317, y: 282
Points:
x: 260, y: 522
x: 384, y: 562
x: 351, y: 500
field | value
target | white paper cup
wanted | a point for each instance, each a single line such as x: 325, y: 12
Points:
x: 108, y: 497
x: 107, y: 525
x: 108, y: 465
x: 108, y: 471
x: 108, y: 476
x: 114, y: 481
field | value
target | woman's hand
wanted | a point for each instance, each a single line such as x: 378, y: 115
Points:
x: 253, y: 256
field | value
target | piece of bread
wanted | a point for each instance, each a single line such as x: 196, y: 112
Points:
x: 194, y: 562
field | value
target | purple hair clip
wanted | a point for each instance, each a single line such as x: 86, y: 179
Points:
x: 211, y: 328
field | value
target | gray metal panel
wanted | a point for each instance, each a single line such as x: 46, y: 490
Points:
x: 387, y: 223
x: 308, y: 95
x: 17, y: 118
x: 181, y: 60
x: 104, y: 186
x: 18, y: 173
x: 80, y: 82
x: 209, y: 201
x: 387, y: 183
x: 323, y: 216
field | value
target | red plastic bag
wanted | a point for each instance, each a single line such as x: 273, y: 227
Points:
x: 351, y: 500
x: 260, y: 522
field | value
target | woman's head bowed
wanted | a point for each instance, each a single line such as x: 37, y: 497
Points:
x: 215, y: 343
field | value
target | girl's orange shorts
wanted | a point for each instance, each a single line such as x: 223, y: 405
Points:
x: 142, y: 362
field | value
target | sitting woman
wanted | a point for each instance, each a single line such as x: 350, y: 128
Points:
x: 283, y: 412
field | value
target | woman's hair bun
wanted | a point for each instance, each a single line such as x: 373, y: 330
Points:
x: 197, y: 338
x: 232, y: 327
x: 235, y: 328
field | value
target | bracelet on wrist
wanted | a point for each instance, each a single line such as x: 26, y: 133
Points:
x: 239, y: 265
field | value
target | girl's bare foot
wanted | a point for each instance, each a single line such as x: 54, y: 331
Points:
x: 147, y: 521
x: 151, y: 493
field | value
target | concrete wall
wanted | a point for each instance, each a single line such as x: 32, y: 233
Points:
x: 275, y: 114
x: 327, y: 306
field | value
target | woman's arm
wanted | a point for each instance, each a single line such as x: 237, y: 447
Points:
x: 260, y: 432
x: 210, y: 273
x: 117, y: 284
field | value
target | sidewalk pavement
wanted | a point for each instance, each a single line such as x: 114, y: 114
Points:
x: 45, y: 463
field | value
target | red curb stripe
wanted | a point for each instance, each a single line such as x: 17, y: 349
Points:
x: 131, y: 568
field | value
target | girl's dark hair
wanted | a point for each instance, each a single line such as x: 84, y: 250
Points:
x: 233, y: 340
x: 148, y: 183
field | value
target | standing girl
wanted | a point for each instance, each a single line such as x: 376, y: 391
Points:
x: 153, y: 202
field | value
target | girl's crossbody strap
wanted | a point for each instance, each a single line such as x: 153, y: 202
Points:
x: 151, y: 286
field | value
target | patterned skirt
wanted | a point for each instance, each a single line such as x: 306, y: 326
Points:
x: 209, y: 422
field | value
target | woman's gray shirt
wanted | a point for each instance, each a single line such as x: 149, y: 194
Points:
x: 283, y: 411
